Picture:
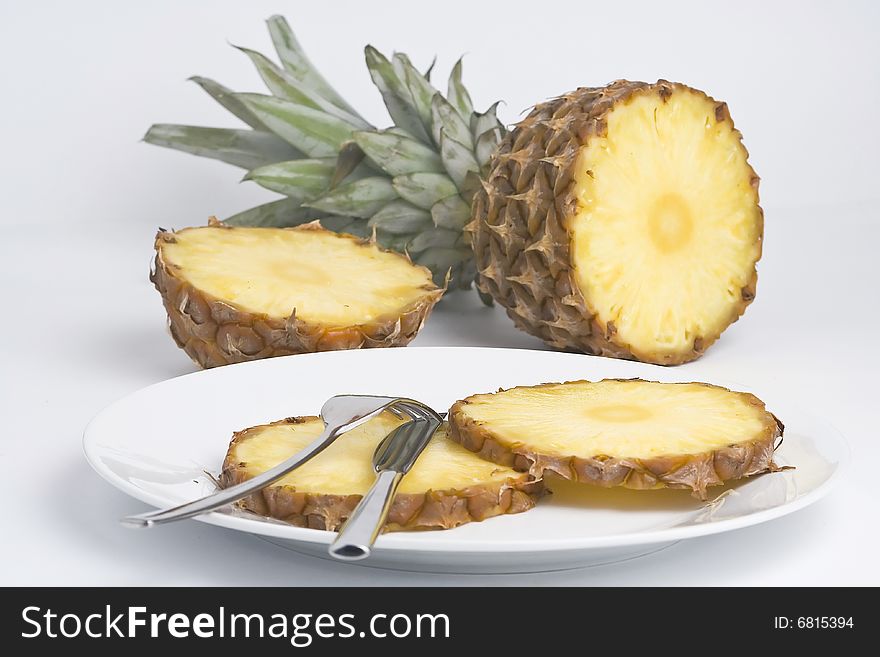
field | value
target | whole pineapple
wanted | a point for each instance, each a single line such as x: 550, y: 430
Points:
x: 619, y: 220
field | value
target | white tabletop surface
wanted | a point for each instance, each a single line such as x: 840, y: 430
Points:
x: 82, y: 326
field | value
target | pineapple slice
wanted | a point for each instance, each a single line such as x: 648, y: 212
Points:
x: 632, y: 433
x: 622, y: 221
x: 447, y: 487
x: 234, y: 294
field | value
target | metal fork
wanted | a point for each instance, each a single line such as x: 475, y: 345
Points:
x: 393, y: 458
x: 340, y: 414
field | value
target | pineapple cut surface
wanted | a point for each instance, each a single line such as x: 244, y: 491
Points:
x: 326, y: 277
x: 668, y: 227
x: 235, y: 293
x: 622, y: 221
x: 447, y: 486
x: 345, y: 467
x: 634, y: 433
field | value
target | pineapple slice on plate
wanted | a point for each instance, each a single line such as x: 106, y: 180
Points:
x: 447, y: 487
x: 234, y: 294
x: 622, y: 221
x: 632, y: 433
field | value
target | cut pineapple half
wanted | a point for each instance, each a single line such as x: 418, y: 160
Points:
x: 632, y: 433
x: 668, y: 228
x: 235, y: 294
x: 622, y: 221
x: 448, y: 485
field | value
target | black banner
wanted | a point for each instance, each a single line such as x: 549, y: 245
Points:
x: 397, y: 620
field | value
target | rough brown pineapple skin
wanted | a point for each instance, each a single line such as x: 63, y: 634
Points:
x: 520, y: 216
x: 695, y: 472
x: 436, y: 509
x: 213, y: 332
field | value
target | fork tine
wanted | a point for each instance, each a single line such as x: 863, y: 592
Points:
x: 415, y: 410
x: 400, y: 410
x: 404, y: 408
x: 419, y: 417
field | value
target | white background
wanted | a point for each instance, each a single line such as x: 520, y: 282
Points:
x: 81, y: 199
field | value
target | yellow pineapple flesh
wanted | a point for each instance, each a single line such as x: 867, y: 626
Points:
x: 668, y: 227
x: 326, y: 278
x: 640, y: 434
x: 447, y: 486
x: 622, y: 221
x: 235, y: 294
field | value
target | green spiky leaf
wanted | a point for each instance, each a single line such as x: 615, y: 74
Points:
x: 457, y: 158
x: 457, y: 94
x: 486, y: 145
x: 277, y: 81
x: 284, y: 85
x: 430, y: 69
x: 440, y: 260
x: 312, y: 131
x: 298, y: 179
x: 420, y: 89
x: 397, y: 153
x: 349, y: 158
x: 436, y: 238
x: 362, y: 198
x: 424, y: 189
x: 401, y: 218
x: 341, y: 224
x: 395, y: 94
x: 226, y: 97
x: 298, y: 65
x: 488, y: 120
x: 451, y: 212
x: 447, y: 118
x: 243, y: 148
x: 278, y: 214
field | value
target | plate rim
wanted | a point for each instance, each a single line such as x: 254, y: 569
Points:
x: 410, y: 541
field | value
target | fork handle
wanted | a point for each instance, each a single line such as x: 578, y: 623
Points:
x: 359, y: 532
x: 234, y: 493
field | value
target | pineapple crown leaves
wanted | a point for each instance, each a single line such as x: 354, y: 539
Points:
x: 411, y: 183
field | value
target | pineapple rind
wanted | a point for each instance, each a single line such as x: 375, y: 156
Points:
x: 447, y: 487
x: 525, y: 225
x: 691, y: 468
x: 216, y: 331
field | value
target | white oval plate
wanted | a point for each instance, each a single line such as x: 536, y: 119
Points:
x: 158, y: 444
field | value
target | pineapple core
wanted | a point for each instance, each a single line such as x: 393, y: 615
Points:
x: 345, y: 467
x: 667, y: 228
x: 326, y: 278
x: 621, y: 419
